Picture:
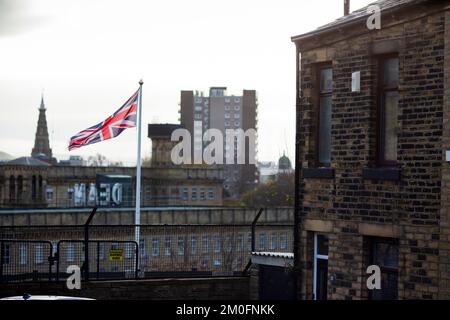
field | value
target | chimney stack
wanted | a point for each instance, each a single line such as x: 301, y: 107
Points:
x: 346, y: 7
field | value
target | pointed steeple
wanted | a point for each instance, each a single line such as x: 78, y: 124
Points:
x: 41, y: 148
x: 42, y: 107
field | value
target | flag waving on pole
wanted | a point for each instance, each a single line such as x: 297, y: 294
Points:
x: 122, y: 119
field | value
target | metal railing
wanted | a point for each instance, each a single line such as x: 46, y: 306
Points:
x: 110, y: 251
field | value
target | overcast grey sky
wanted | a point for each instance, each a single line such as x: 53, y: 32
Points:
x: 88, y: 56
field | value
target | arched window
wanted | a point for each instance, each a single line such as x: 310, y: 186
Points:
x: 19, y: 187
x: 12, y: 189
x: 40, y: 187
x: 33, y: 187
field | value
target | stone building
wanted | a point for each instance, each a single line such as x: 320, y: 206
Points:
x: 41, y: 181
x: 373, y: 109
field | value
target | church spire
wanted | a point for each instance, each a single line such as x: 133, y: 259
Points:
x: 42, y: 107
x: 41, y: 143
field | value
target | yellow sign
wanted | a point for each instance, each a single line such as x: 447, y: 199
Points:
x: 115, y: 255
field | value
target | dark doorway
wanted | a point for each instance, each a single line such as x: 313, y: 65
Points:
x: 275, y: 283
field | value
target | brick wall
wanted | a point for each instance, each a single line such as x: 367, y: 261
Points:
x: 353, y: 207
x: 167, y: 289
x: 444, y: 249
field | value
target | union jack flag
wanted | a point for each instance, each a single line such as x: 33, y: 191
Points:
x: 122, y: 119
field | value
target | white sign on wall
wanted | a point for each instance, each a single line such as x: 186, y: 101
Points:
x: 447, y: 155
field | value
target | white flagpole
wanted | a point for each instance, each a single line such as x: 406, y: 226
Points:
x: 137, y: 217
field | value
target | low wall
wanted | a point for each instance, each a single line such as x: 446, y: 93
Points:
x: 111, y: 216
x: 233, y: 288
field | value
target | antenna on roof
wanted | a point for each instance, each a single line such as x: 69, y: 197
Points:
x: 346, y: 7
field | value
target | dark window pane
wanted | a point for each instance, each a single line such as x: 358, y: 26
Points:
x: 325, y: 130
x: 390, y: 126
x: 391, y: 72
x: 386, y: 255
x: 322, y: 245
x: 322, y: 279
x: 326, y: 80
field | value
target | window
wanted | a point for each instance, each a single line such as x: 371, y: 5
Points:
x: 227, y: 116
x: 273, y: 241
x: 249, y: 241
x: 237, y: 108
x: 193, y: 245
x: 384, y: 253
x: 237, y: 123
x: 237, y: 115
x: 202, y: 194
x: 49, y: 193
x: 142, y: 248
x: 70, y: 252
x: 240, y: 243
x: 155, y: 247
x: 167, y: 246
x: 325, y: 106
x: 198, y: 108
x: 54, y: 247
x: 210, y: 193
x: 227, y: 99
x: 39, y: 253
x: 101, y: 251
x: 320, y: 279
x: 181, y: 246
x: 388, y: 111
x: 283, y: 241
x: 6, y: 253
x: 205, y: 244
x: 216, y: 241
x: 12, y: 189
x: 262, y: 241
x: 23, y: 253
x: 227, y: 123
x: 228, y: 243
x: 194, y: 193
x: 128, y: 250
x: 33, y: 187
x: 227, y: 108
x: 237, y: 99
x: 185, y: 193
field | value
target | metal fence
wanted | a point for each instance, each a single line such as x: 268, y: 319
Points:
x: 112, y: 252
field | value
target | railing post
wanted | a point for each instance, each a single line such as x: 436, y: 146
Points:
x: 253, y: 249
x: 57, y: 260
x: 2, y: 253
x: 255, y: 221
x: 86, y: 244
x: 50, y: 261
x: 136, y: 271
x: 98, y: 260
x: 86, y: 252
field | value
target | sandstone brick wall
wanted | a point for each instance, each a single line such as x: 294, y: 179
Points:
x: 408, y: 209
x: 167, y: 289
x: 444, y: 248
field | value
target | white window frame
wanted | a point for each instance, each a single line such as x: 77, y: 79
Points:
x: 316, y: 257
